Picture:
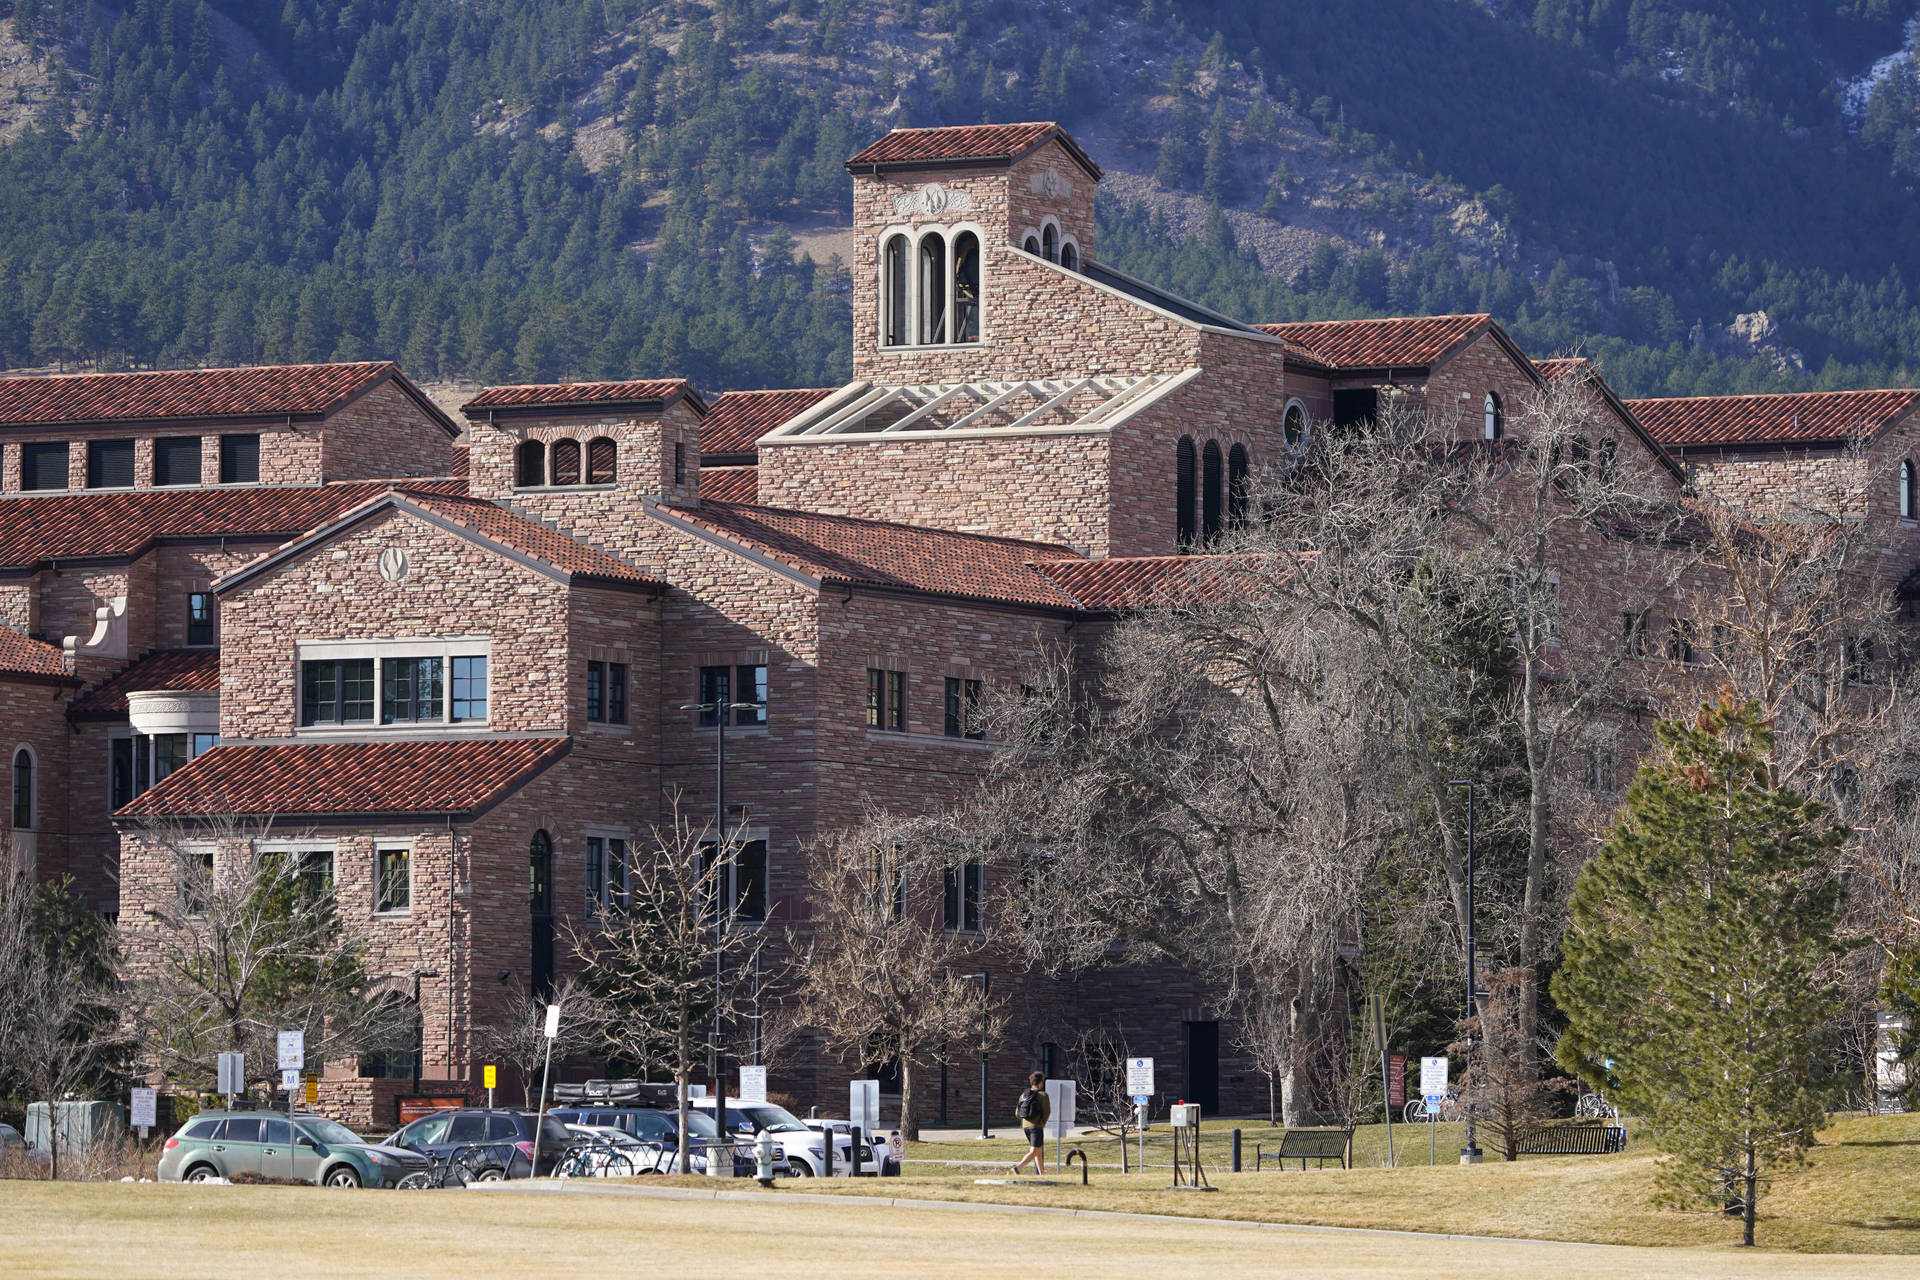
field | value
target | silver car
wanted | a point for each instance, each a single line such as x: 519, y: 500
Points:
x: 223, y: 1144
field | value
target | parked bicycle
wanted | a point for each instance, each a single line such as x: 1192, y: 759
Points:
x: 475, y: 1162
x: 1448, y: 1111
x: 1594, y: 1106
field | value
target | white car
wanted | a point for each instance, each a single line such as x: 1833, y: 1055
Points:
x: 806, y: 1147
x: 872, y: 1151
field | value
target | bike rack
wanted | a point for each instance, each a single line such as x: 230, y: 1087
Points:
x: 1083, y: 1164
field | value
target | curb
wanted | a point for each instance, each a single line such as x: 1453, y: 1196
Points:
x: 581, y: 1186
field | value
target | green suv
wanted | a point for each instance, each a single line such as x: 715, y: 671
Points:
x: 222, y: 1144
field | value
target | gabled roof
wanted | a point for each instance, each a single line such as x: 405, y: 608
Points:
x: 965, y: 409
x: 303, y: 391
x: 507, y: 532
x: 22, y: 655
x: 1559, y: 368
x: 549, y: 397
x: 851, y: 551
x: 36, y: 531
x: 965, y: 145
x: 729, y: 484
x: 1810, y: 418
x: 342, y: 779
x: 197, y: 669
x: 739, y: 418
x: 1136, y: 582
x: 1395, y: 342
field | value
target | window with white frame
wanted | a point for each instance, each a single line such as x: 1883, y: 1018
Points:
x: 930, y: 287
x: 393, y: 683
x: 137, y: 761
x: 607, y: 874
x: 393, y: 878
x: 963, y: 888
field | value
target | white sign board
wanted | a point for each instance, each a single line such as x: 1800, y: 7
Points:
x: 293, y: 1050
x: 863, y: 1105
x: 1062, y: 1096
x: 553, y: 1022
x: 290, y: 1079
x: 144, y: 1109
x: 1433, y: 1079
x: 897, y: 1146
x: 1140, y: 1078
x: 753, y: 1084
x: 233, y: 1073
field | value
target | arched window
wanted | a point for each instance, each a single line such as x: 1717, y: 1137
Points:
x: 1031, y: 245
x: 966, y: 287
x: 566, y: 462
x: 531, y: 470
x: 1294, y: 423
x: 1491, y: 424
x: 1237, y: 487
x: 1069, y: 257
x: 1210, y: 491
x: 893, y: 288
x: 23, y: 790
x: 933, y: 289
x: 1907, y: 503
x: 602, y: 460
x: 1050, y: 243
x: 1185, y: 525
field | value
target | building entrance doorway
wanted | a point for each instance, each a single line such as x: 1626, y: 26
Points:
x: 1203, y: 1066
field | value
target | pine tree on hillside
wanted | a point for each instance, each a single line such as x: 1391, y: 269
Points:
x: 1692, y: 979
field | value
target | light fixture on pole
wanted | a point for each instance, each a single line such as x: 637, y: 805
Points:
x: 722, y: 711
x: 985, y: 980
x: 1469, y: 1154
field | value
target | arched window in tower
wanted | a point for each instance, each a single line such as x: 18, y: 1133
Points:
x: 1069, y: 257
x: 1491, y: 424
x: 1907, y: 494
x: 1032, y: 245
x: 1237, y: 487
x: 1050, y: 243
x: 933, y: 289
x: 1211, y: 507
x: 530, y: 471
x: 1294, y: 424
x: 893, y: 291
x: 23, y: 805
x: 566, y: 462
x: 603, y: 460
x: 966, y: 287
x: 1186, y: 525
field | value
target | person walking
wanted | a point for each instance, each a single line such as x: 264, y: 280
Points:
x: 1032, y: 1111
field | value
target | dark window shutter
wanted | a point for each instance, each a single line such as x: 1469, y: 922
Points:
x: 239, y: 459
x: 43, y: 465
x: 110, y: 464
x: 176, y: 460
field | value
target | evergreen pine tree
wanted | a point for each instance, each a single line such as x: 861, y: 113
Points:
x: 1692, y: 974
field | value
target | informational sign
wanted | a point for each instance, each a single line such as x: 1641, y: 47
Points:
x: 1063, y: 1096
x: 293, y: 1050
x: 753, y: 1084
x: 863, y: 1104
x: 897, y: 1146
x: 1140, y: 1078
x: 313, y: 1090
x: 233, y: 1073
x: 290, y: 1079
x: 143, y: 1108
x: 1396, y: 1080
x: 489, y: 1074
x: 553, y: 1022
x: 1377, y: 1020
x: 1433, y: 1079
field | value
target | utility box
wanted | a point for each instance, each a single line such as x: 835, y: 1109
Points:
x: 1184, y: 1115
x: 81, y: 1125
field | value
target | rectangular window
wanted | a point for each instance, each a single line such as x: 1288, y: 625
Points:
x: 109, y: 464
x: 240, y: 459
x: 679, y: 462
x: 886, y: 699
x: 744, y: 684
x: 200, y: 618
x: 596, y: 692
x: 120, y: 772
x: 715, y: 683
x: 203, y: 743
x: 1680, y: 640
x: 315, y: 872
x: 1633, y: 633
x: 395, y: 870
x: 169, y: 753
x: 616, y: 693
x: 411, y: 690
x: 336, y: 691
x: 963, y: 708
x: 962, y: 887
x: 596, y: 874
x: 469, y: 689
x: 43, y: 465
x: 176, y: 460
x: 606, y: 874
x: 744, y: 884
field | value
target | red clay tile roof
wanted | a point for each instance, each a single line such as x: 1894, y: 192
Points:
x: 301, y: 390
x: 1379, y: 344
x: 530, y: 538
x: 966, y: 143
x: 334, y: 779
x: 1135, y: 582
x: 161, y: 669
x: 22, y: 655
x: 844, y: 549
x: 1811, y: 417
x: 567, y: 395
x: 739, y: 418
x: 1560, y: 366
x: 70, y: 526
x: 730, y: 484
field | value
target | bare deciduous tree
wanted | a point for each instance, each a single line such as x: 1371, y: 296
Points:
x: 517, y: 1035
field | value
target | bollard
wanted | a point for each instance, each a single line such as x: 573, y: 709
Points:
x: 1236, y: 1151
x: 854, y: 1153
x: 826, y: 1153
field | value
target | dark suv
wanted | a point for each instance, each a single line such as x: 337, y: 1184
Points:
x: 504, y: 1140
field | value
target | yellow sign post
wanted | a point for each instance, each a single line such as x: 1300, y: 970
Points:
x: 313, y: 1090
x: 487, y: 1075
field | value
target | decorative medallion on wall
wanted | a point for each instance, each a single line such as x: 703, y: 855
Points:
x: 1049, y: 183
x: 932, y: 201
x: 393, y: 564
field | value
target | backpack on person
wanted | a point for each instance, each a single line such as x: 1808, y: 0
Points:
x: 1028, y: 1108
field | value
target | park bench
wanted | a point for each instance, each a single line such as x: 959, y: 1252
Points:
x: 1581, y: 1139
x: 1308, y: 1144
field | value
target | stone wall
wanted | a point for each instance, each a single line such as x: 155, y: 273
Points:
x: 383, y: 434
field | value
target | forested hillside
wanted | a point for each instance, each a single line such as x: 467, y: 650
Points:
x: 1703, y: 197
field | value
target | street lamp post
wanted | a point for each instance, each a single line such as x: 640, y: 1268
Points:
x: 722, y: 711
x: 1469, y: 1154
x: 986, y: 985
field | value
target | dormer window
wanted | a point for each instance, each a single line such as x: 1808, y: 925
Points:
x: 530, y: 469
x: 566, y: 462
x: 930, y: 289
x: 1491, y: 424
